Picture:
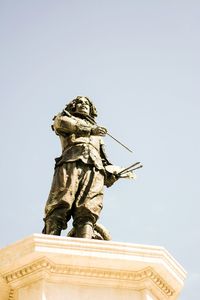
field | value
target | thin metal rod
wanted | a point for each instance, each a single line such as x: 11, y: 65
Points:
x: 136, y: 168
x: 119, y: 142
x: 93, y: 122
x: 133, y: 165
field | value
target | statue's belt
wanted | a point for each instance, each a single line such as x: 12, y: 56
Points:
x: 80, y: 143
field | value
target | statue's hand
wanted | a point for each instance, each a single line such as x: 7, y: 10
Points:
x: 110, y: 179
x: 98, y: 130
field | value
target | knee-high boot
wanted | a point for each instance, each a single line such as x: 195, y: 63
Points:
x: 53, y: 227
x: 85, y: 230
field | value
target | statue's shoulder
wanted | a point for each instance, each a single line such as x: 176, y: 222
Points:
x: 64, y: 116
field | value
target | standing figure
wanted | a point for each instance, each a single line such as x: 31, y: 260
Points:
x: 80, y: 175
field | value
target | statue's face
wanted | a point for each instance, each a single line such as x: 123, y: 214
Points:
x: 83, y: 106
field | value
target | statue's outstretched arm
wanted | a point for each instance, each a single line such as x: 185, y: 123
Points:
x: 66, y: 124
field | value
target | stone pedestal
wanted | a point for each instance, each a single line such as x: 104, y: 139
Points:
x: 44, y: 267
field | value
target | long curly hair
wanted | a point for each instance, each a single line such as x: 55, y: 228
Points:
x: 71, y: 106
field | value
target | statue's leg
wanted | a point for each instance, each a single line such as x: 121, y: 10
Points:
x: 61, y: 197
x: 56, y: 221
x: 84, y: 228
x: 88, y: 202
x: 53, y: 226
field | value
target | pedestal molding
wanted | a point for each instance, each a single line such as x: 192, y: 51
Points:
x: 44, y: 264
x: 62, y: 245
x: 11, y: 294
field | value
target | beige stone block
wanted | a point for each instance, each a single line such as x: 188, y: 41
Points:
x: 50, y: 267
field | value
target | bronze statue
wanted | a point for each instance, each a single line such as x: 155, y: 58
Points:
x: 80, y: 173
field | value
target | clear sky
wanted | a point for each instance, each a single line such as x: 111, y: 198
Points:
x: 139, y: 62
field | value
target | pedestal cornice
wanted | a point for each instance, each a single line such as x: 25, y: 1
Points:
x: 101, y: 263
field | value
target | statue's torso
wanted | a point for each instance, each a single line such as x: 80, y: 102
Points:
x: 80, y: 145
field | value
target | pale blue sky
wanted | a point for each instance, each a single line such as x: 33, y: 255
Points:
x: 139, y: 62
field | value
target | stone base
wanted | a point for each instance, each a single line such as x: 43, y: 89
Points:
x: 44, y: 267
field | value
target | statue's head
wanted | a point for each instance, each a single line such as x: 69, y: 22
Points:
x: 82, y: 105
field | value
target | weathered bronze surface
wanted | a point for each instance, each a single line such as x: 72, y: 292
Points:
x: 80, y: 173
